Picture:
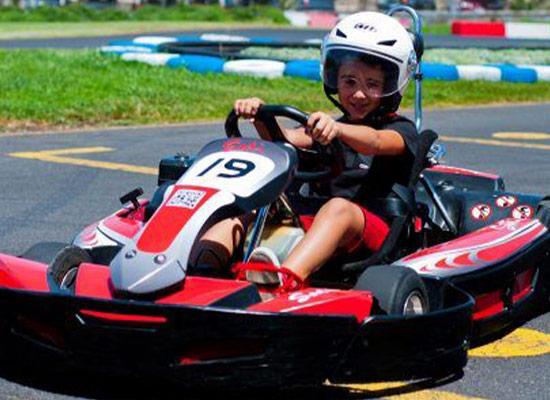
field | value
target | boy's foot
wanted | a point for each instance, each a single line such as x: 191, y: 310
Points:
x: 264, y: 268
x: 263, y: 255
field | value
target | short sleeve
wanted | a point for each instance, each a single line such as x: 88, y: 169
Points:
x: 406, y: 128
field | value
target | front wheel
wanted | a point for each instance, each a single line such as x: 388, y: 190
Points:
x: 396, y: 290
x: 64, y: 267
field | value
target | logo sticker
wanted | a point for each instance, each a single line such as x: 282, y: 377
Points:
x: 522, y: 211
x: 237, y: 144
x: 305, y: 297
x: 507, y: 225
x: 186, y: 198
x: 481, y: 212
x: 506, y: 201
x: 365, y: 27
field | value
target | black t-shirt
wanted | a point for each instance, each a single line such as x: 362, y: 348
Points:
x: 366, y: 177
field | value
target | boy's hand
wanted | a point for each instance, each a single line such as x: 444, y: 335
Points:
x: 247, y: 108
x: 322, y: 128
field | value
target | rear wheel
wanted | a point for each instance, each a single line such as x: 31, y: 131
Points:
x: 396, y: 290
x: 64, y: 267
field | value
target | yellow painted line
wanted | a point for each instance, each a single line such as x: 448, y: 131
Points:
x: 520, y: 343
x: 521, y: 135
x: 402, y: 391
x: 59, y: 156
x: 491, y: 142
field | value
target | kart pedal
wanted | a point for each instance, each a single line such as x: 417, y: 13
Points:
x: 132, y: 197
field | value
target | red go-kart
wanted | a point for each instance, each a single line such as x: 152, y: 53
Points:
x: 465, y: 260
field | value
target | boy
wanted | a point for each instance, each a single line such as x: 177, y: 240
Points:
x: 367, y: 60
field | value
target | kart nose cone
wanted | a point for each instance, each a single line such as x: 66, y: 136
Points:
x: 142, y: 274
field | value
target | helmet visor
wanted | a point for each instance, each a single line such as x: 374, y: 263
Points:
x: 376, y: 77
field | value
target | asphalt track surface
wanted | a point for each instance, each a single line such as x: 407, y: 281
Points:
x: 431, y: 41
x: 54, y: 198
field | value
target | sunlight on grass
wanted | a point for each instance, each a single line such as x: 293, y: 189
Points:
x: 44, y: 89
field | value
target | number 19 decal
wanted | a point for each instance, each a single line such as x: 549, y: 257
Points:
x: 233, y: 168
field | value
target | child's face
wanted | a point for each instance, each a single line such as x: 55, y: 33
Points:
x: 359, y: 88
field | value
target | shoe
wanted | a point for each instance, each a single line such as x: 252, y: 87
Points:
x: 264, y: 255
x: 264, y: 269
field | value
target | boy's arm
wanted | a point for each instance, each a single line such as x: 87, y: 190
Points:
x: 296, y: 136
x: 369, y: 141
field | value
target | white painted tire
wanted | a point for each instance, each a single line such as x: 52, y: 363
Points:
x: 215, y: 37
x: 151, y: 58
x: 154, y: 40
x: 124, y: 49
x: 478, y: 72
x: 258, y: 68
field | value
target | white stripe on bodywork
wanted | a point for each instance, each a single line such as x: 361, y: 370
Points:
x: 113, y: 235
x: 427, y: 264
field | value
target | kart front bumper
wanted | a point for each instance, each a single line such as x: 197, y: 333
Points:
x: 199, y: 346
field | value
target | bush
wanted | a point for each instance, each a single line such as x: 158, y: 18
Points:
x: 78, y: 12
x: 527, y: 4
x: 11, y: 14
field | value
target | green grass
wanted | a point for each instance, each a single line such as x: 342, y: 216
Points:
x: 48, y: 89
x: 437, y: 29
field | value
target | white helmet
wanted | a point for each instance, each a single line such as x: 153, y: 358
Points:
x: 376, y: 39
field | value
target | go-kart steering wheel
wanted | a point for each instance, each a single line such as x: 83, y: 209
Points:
x: 328, y: 157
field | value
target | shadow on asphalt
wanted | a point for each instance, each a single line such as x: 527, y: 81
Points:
x: 55, y: 377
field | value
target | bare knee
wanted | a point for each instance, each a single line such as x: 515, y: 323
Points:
x: 219, y: 244
x: 338, y: 209
x: 343, y: 216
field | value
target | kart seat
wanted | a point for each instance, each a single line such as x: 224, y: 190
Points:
x: 399, y: 209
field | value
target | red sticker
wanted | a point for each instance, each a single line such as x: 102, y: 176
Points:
x: 523, y: 211
x: 481, y: 212
x: 506, y: 201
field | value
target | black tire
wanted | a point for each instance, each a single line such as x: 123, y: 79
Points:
x: 64, y: 267
x: 43, y: 252
x: 396, y: 290
x: 543, y: 213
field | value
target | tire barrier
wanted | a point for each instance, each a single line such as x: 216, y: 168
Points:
x: 444, y: 72
x: 124, y: 49
x: 195, y: 63
x: 308, y: 69
x: 157, y: 50
x: 154, y: 40
x: 257, y: 68
x: 511, y: 30
x: 478, y: 73
x: 149, y: 58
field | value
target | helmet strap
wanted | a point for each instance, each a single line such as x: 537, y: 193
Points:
x: 329, y: 95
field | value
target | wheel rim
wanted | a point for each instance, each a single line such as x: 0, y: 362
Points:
x: 69, y: 279
x: 415, y: 304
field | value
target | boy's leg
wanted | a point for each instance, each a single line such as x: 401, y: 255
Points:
x: 219, y: 244
x: 337, y: 224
